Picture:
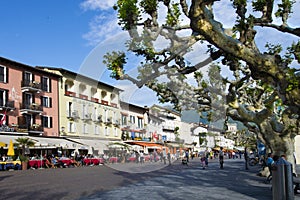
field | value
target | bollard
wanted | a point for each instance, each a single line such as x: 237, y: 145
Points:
x: 282, y: 181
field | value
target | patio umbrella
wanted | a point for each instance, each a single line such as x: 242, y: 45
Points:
x: 11, y: 150
x: 2, y: 144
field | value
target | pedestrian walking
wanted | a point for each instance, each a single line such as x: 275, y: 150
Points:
x: 187, y: 155
x: 246, y: 156
x: 169, y: 158
x: 221, y: 158
x: 203, y: 161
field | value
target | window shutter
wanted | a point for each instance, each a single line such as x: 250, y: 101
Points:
x: 50, y: 102
x: 50, y: 125
x: 43, y: 121
x: 50, y: 85
x: 7, y: 70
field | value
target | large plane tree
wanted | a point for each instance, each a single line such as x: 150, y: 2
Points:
x: 262, y: 90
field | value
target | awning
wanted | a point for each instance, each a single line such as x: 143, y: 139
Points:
x: 96, y: 144
x: 146, y: 144
x: 41, y: 142
x: 48, y: 142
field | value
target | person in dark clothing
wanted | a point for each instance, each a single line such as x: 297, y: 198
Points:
x: 246, y: 156
x: 221, y: 158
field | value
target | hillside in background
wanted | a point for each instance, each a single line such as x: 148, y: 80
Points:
x: 191, y: 116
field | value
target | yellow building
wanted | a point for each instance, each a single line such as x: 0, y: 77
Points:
x: 89, y: 110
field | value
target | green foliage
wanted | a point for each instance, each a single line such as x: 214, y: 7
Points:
x: 285, y: 8
x: 149, y: 6
x: 115, y: 62
x: 24, y: 142
x: 23, y: 158
x: 259, y: 5
x: 293, y: 81
x: 173, y: 15
x: 295, y: 50
x: 273, y: 48
x: 128, y: 13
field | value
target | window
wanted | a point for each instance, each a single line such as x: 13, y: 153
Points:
x: 3, y: 97
x: 132, y: 119
x: 46, y: 102
x: 71, y: 127
x: 97, y: 131
x: 140, y: 122
x: 47, y: 122
x: 105, y: 131
x: 28, y: 78
x: 27, y: 99
x: 124, y: 119
x: 3, y: 74
x: 116, y: 132
x: 46, y: 84
x: 85, y: 129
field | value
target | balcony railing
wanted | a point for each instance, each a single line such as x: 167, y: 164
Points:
x: 98, y: 119
x: 95, y: 100
x: 82, y: 96
x: 36, y: 128
x: 113, y: 105
x: 104, y: 102
x: 32, y: 86
x: 73, y: 115
x: 69, y: 93
x: 32, y: 108
x: 87, y: 117
x: 9, y: 105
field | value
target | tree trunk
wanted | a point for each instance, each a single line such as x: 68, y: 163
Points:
x: 284, y: 146
x: 24, y: 165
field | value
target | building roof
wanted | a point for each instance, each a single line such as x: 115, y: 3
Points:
x: 28, y: 67
x: 65, y: 71
x: 166, y: 109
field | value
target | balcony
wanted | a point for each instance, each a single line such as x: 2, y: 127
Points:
x: 108, y: 121
x: 36, y: 129
x: 82, y: 96
x: 32, y: 108
x: 116, y: 123
x: 8, y: 106
x: 69, y: 93
x: 30, y: 86
x: 104, y: 102
x: 168, y: 128
x: 113, y: 105
x: 98, y: 119
x: 73, y: 115
x: 87, y: 117
x: 94, y: 100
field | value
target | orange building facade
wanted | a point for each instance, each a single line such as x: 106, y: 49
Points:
x: 28, y: 99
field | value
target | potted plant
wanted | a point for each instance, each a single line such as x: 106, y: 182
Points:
x: 24, y: 142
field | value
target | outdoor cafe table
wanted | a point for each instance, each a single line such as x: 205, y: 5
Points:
x: 94, y: 161
x: 36, y: 163
x: 4, y: 165
x: 66, y: 161
x: 113, y: 159
x: 131, y: 159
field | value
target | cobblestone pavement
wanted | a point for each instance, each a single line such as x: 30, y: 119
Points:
x: 136, y: 181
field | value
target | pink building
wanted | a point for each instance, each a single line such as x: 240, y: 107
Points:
x: 28, y: 99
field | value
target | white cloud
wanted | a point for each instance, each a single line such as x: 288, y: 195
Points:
x: 102, y: 27
x: 97, y: 4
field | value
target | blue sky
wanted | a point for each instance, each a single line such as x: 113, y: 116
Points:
x: 44, y: 32
x: 72, y: 34
x: 75, y: 34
